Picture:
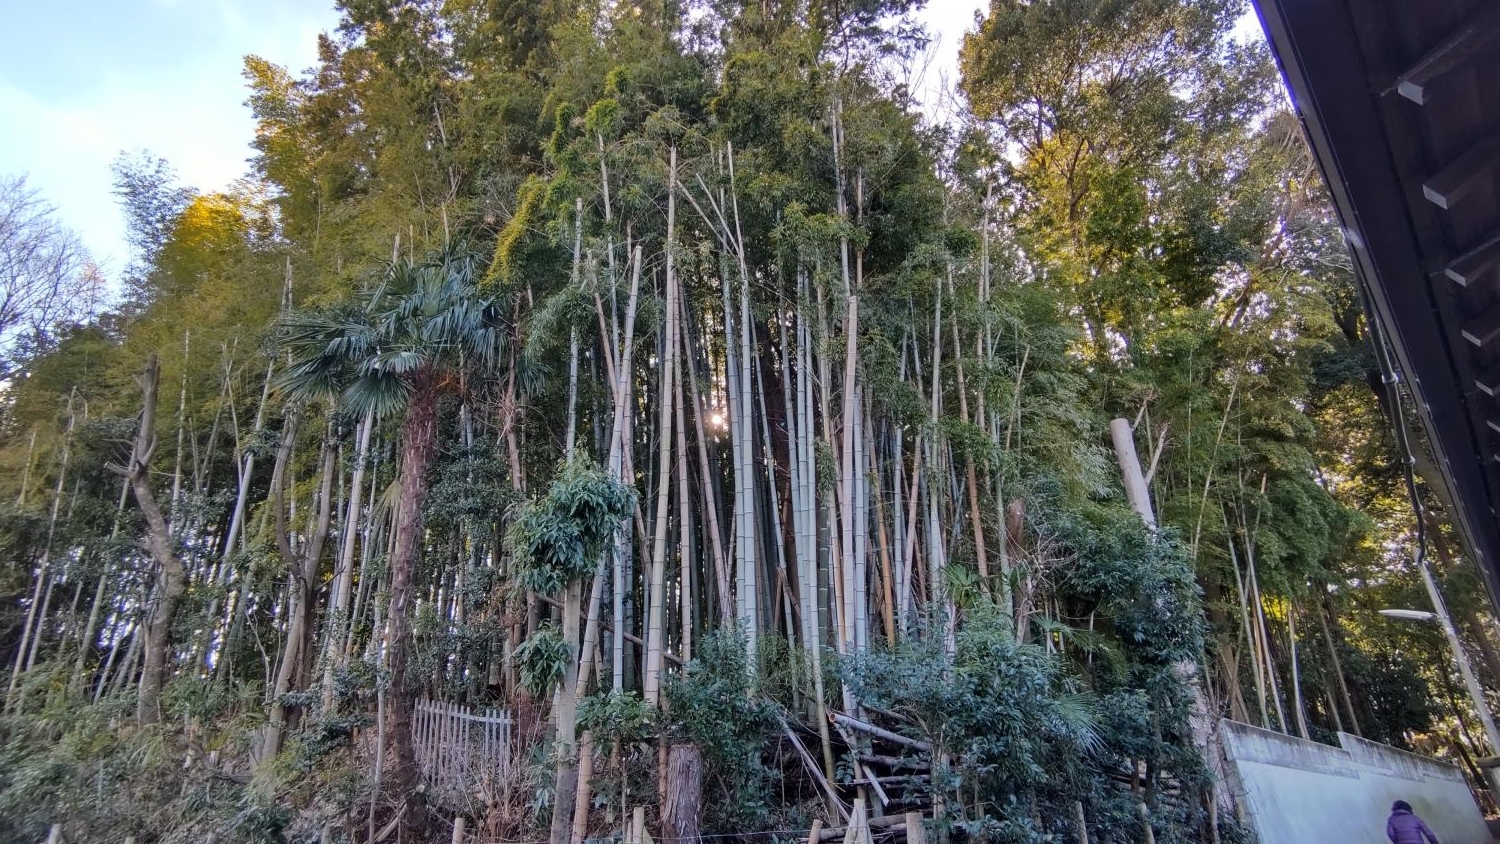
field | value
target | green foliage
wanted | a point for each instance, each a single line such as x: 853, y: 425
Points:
x: 542, y: 660
x: 1144, y: 583
x: 622, y: 716
x: 418, y: 323
x: 1130, y: 227
x: 713, y: 704
x: 84, y: 765
x: 1007, y: 712
x: 469, y: 491
x: 1025, y: 733
x: 559, y: 537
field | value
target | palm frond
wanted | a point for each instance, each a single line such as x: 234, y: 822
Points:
x: 415, y: 317
x: 377, y: 391
x: 1078, y: 715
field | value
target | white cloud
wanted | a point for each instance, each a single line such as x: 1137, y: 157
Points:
x: 187, y: 107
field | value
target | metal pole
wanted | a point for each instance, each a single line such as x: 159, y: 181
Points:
x: 1441, y: 610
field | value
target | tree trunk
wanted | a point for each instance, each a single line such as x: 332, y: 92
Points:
x: 565, y: 713
x: 1291, y: 632
x: 682, y: 810
x: 31, y: 633
x: 1202, y: 722
x: 343, y: 577
x: 656, y: 618
x: 171, y: 577
x: 418, y: 442
x: 1324, y: 612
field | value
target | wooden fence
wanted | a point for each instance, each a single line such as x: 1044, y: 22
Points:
x: 465, y: 756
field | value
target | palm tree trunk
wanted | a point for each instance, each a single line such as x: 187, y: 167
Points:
x: 418, y: 444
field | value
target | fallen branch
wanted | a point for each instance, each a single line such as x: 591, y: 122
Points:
x: 871, y: 729
x: 894, y: 761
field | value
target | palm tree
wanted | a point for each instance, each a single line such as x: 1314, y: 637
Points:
x: 400, y: 348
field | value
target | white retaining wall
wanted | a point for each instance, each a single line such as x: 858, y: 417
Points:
x: 1302, y: 792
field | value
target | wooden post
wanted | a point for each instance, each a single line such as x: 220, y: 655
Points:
x: 55, y: 836
x: 815, y: 832
x: 459, y: 823
x: 1150, y: 834
x: 915, y: 832
x: 1081, y: 824
x: 637, y: 834
x: 859, y: 824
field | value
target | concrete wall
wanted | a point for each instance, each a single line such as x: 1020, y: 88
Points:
x: 1302, y: 792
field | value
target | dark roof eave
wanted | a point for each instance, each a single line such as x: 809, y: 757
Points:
x: 1316, y: 46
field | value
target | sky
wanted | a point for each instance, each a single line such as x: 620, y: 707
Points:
x: 99, y: 77
x: 94, y: 78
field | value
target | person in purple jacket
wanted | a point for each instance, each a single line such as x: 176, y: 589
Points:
x: 1405, y: 827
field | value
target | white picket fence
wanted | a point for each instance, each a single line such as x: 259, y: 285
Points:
x: 465, y: 756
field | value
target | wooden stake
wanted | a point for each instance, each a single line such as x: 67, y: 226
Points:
x: 638, y: 833
x: 915, y: 832
x: 1150, y: 834
x: 859, y: 824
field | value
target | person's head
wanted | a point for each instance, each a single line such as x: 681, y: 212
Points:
x: 1401, y: 806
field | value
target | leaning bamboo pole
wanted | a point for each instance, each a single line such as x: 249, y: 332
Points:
x: 656, y: 618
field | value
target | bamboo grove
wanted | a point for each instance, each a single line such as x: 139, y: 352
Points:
x: 662, y: 374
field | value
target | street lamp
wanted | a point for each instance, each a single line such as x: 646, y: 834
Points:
x: 1440, y: 615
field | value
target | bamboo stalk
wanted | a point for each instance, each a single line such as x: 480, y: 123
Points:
x: 656, y: 622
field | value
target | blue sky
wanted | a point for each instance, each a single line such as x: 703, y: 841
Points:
x: 91, y: 78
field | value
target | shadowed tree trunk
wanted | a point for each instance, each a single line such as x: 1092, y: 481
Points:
x: 418, y: 442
